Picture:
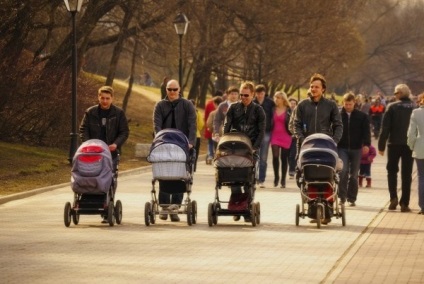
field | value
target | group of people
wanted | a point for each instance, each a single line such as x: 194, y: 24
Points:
x: 284, y: 124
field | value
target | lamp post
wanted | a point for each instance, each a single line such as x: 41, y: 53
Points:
x: 181, y: 24
x: 73, y: 6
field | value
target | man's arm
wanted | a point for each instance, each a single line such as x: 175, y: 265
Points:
x: 228, y: 122
x: 384, y: 131
x: 84, y: 131
x: 336, y: 122
x: 123, y: 130
x: 157, y: 118
x: 192, y: 122
x: 295, y: 124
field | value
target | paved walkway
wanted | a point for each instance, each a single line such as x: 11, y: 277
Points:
x: 376, y: 246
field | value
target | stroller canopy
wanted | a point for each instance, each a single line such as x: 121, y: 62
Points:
x: 318, y: 148
x: 169, y: 145
x: 235, y: 143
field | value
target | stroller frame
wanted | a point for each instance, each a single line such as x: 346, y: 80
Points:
x: 319, y: 207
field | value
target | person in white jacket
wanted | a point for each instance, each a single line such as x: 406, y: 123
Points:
x: 416, y: 144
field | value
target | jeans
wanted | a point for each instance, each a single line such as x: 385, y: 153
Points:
x: 348, y: 186
x: 263, y: 157
x: 211, y: 148
x: 394, y: 154
x: 365, y: 170
x: 420, y: 170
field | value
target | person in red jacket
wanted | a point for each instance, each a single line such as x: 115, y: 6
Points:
x: 210, y: 107
x: 376, y: 113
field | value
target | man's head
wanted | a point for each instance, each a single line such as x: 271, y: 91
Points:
x: 232, y: 94
x: 173, y: 90
x: 260, y: 92
x: 247, y: 90
x: 349, y: 102
x: 402, y: 91
x: 105, y: 97
x: 293, y: 103
x: 317, y: 86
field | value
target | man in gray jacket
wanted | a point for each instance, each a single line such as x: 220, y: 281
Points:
x: 174, y: 112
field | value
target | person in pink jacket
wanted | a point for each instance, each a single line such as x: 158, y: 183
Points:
x: 368, y: 155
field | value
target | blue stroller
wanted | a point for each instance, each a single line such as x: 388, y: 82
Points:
x: 172, y: 166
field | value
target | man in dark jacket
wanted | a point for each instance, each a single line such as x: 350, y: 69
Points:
x: 106, y: 122
x: 356, y: 134
x: 316, y: 114
x: 249, y: 118
x: 174, y: 112
x: 394, y: 131
x: 268, y: 105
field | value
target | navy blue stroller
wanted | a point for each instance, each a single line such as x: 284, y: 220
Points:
x: 317, y: 177
x: 172, y: 166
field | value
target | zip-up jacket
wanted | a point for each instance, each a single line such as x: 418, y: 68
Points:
x: 395, y: 123
x: 117, y: 130
x: 322, y: 117
x: 250, y: 120
x: 356, y: 130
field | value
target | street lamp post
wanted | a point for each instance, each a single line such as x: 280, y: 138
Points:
x: 74, y: 6
x: 181, y: 24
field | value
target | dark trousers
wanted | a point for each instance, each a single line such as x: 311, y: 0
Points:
x: 348, y: 186
x: 279, y: 153
x: 292, y: 156
x: 197, y: 147
x: 394, y: 154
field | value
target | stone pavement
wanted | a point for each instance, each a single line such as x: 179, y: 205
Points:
x: 376, y: 246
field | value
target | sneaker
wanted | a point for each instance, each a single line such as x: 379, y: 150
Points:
x: 175, y: 218
x: 393, y: 204
x: 352, y: 204
x: 405, y: 208
x: 236, y: 218
x: 261, y: 185
x: 325, y: 221
x: 283, y: 186
x: 105, y: 221
x: 163, y: 216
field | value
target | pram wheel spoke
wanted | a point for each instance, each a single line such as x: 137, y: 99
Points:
x: 147, y: 213
x: 110, y: 214
x: 67, y: 214
x: 118, y: 212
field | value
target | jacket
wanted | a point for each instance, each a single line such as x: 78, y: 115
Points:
x: 322, y: 117
x: 218, y: 121
x: 395, y: 123
x: 184, y: 114
x: 268, y: 105
x: 249, y: 120
x: 117, y: 130
x: 416, y: 133
x: 356, y: 130
x: 368, y: 158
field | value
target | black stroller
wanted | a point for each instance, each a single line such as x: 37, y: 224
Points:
x: 235, y: 165
x: 317, y: 177
x: 94, y: 182
x: 172, y: 165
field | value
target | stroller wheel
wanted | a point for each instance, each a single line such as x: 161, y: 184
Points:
x: 118, y: 212
x: 343, y: 212
x: 110, y: 214
x: 75, y: 217
x: 216, y: 207
x: 319, y: 216
x: 210, y: 214
x: 253, y: 214
x: 189, y: 212
x: 194, y: 212
x: 297, y: 214
x: 67, y: 214
x: 258, y: 213
x: 147, y: 213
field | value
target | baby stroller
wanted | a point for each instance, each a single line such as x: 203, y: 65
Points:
x: 94, y: 182
x: 235, y: 165
x: 317, y: 177
x: 172, y: 165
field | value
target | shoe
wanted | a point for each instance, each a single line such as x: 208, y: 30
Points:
x: 291, y: 175
x: 261, y: 185
x: 163, y: 216
x: 393, y: 203
x: 342, y: 201
x: 405, y: 208
x: 352, y: 204
x: 105, y: 221
x: 236, y: 218
x: 174, y: 218
x: 283, y: 186
x: 325, y: 221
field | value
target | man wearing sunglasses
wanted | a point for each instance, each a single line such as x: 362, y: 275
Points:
x: 174, y: 112
x: 249, y: 118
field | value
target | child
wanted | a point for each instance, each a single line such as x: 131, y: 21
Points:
x: 368, y: 155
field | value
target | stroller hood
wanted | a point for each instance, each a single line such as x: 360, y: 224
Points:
x: 319, y: 148
x: 169, y: 145
x: 92, y: 168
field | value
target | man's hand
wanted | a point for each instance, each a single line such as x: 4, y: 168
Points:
x: 190, y: 146
x: 381, y: 153
x: 112, y: 147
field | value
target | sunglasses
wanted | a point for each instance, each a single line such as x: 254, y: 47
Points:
x: 244, y: 95
x: 172, y: 89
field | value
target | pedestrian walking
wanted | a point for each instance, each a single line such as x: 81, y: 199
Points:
x: 356, y: 135
x: 377, y: 110
x: 394, y: 133
x: 232, y: 96
x: 416, y: 144
x: 210, y: 106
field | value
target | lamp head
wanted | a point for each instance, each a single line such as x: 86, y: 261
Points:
x: 73, y: 5
x: 181, y: 24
